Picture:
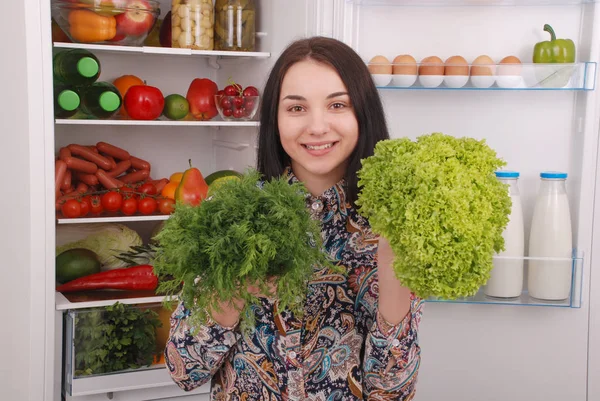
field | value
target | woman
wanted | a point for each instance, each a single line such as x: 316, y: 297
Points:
x: 321, y: 114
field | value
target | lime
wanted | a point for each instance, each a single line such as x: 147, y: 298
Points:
x: 176, y: 107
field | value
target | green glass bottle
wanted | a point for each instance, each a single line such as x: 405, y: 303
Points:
x: 66, y: 101
x: 101, y: 100
x: 76, y: 67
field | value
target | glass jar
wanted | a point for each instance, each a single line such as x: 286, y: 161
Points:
x: 192, y: 24
x: 235, y: 25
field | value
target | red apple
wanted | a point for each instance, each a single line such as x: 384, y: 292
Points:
x: 137, y: 20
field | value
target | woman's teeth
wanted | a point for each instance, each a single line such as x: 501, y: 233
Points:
x: 319, y: 147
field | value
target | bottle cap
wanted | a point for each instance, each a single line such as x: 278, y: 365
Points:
x: 88, y: 67
x: 553, y: 174
x: 507, y: 174
x: 68, y: 100
x: 109, y: 101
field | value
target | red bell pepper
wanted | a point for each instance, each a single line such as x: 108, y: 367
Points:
x: 130, y: 278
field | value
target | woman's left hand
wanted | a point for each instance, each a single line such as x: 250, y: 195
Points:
x: 394, y: 299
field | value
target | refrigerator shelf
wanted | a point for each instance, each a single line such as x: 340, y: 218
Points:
x: 158, y: 123
x: 161, y: 50
x: 526, y: 76
x: 573, y: 301
x: 475, y: 3
x: 99, y: 298
x: 112, y: 219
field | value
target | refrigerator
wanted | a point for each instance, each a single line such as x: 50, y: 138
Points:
x: 472, y: 349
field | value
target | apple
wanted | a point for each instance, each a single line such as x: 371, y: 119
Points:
x: 137, y: 20
x: 106, y: 8
x: 165, y: 31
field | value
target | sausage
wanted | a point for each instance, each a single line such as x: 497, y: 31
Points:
x: 92, y: 148
x: 89, y: 179
x: 139, y: 175
x: 113, y: 151
x: 139, y: 164
x: 89, y: 155
x: 159, y: 184
x: 81, y: 165
x: 81, y: 188
x: 107, y: 181
x: 122, y: 167
x: 66, y: 182
x: 60, y: 169
x: 113, y: 163
x: 64, y: 153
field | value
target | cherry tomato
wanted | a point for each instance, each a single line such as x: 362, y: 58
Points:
x: 96, y: 204
x: 227, y: 112
x: 250, y: 91
x: 238, y: 102
x: 124, y: 190
x: 232, y: 90
x: 225, y: 103
x: 239, y: 113
x: 147, y: 205
x: 148, y: 189
x: 166, y: 206
x: 129, y: 206
x: 112, y: 201
x: 85, y: 206
x: 71, y: 208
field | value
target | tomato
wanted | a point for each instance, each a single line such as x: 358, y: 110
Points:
x: 129, y: 206
x: 147, y: 205
x: 166, y: 206
x: 144, y: 102
x: 148, y: 189
x: 123, y: 83
x: 126, y: 189
x: 238, y: 102
x: 112, y: 201
x: 71, y: 208
x: 95, y: 204
x: 85, y: 206
x: 250, y: 91
x: 239, y: 113
x: 232, y: 90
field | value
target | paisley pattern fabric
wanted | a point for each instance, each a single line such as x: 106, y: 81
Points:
x: 343, y: 349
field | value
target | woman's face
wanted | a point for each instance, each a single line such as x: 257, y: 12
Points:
x: 317, y: 125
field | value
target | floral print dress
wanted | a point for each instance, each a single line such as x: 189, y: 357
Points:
x: 342, y: 350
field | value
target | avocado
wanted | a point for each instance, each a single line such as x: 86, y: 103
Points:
x: 75, y: 263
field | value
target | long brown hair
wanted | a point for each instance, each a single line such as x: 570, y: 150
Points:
x: 368, y: 109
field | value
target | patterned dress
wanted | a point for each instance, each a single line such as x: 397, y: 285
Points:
x: 342, y: 348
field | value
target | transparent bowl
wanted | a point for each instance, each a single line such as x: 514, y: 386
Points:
x: 237, y: 108
x: 114, y: 22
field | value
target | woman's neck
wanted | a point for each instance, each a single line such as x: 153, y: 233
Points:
x: 317, y: 184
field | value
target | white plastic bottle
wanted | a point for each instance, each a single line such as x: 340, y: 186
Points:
x: 506, y: 280
x: 551, y: 237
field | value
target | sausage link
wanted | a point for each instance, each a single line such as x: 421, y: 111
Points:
x: 60, y: 169
x: 139, y: 164
x: 63, y: 153
x: 107, y: 181
x: 122, y: 167
x: 81, y: 165
x: 89, y: 179
x: 89, y: 155
x: 139, y: 175
x: 66, y: 183
x: 113, y: 151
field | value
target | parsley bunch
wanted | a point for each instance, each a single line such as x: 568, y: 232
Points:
x: 245, y: 233
x: 440, y: 205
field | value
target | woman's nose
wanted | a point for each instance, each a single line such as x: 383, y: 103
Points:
x: 318, y: 123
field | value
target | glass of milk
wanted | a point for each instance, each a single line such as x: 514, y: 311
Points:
x: 506, y: 280
x: 551, y: 237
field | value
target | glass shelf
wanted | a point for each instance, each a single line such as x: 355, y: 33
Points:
x: 573, y: 301
x: 566, y: 77
x: 479, y: 3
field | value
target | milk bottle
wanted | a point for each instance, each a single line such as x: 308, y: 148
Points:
x: 506, y: 279
x: 550, y: 237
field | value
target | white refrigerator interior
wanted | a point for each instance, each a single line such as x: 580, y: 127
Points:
x: 472, y: 350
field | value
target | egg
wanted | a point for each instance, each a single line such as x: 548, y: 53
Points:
x: 510, y: 65
x: 431, y: 65
x: 380, y: 65
x: 483, y: 65
x: 404, y: 64
x: 456, y: 65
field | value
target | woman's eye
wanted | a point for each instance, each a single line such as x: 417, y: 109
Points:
x: 338, y: 105
x: 296, y: 109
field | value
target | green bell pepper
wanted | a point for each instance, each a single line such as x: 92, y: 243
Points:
x: 554, y: 50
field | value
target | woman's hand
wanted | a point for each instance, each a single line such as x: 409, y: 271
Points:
x: 394, y: 299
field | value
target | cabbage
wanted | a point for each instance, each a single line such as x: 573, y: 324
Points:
x: 107, y: 240
x: 440, y: 205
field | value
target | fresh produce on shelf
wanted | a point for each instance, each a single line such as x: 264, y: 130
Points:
x: 86, y: 26
x: 107, y: 240
x: 440, y: 205
x: 135, y: 278
x: 193, y: 188
x: 216, y: 179
x: 144, y: 102
x: 555, y: 50
x: 235, y: 102
x: 123, y: 83
x: 201, y: 97
x: 245, y: 234
x: 165, y: 31
x: 176, y: 107
x: 137, y: 20
x: 76, y: 263
x: 114, y: 338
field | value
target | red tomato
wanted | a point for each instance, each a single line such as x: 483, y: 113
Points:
x: 166, y: 205
x: 250, y: 91
x: 71, y: 208
x: 148, y: 189
x: 144, y: 102
x: 147, y: 205
x: 129, y: 206
x: 112, y: 201
x: 85, y: 206
x: 95, y: 204
x: 126, y: 189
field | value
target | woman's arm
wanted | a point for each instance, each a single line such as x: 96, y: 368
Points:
x: 394, y: 299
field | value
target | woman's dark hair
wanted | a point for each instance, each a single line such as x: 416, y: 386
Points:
x: 272, y: 159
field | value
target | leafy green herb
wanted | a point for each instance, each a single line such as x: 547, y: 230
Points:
x: 115, y: 338
x: 245, y: 233
x: 440, y: 205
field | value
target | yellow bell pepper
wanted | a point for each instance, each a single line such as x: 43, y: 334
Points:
x: 87, y: 27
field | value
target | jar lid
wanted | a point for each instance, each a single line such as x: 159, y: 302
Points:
x: 507, y: 174
x: 110, y: 101
x: 68, y: 100
x: 553, y: 174
x: 88, y: 67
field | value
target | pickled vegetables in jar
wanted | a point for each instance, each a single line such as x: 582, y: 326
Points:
x: 192, y: 24
x: 235, y: 27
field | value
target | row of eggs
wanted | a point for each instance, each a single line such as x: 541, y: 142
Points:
x: 455, y: 72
